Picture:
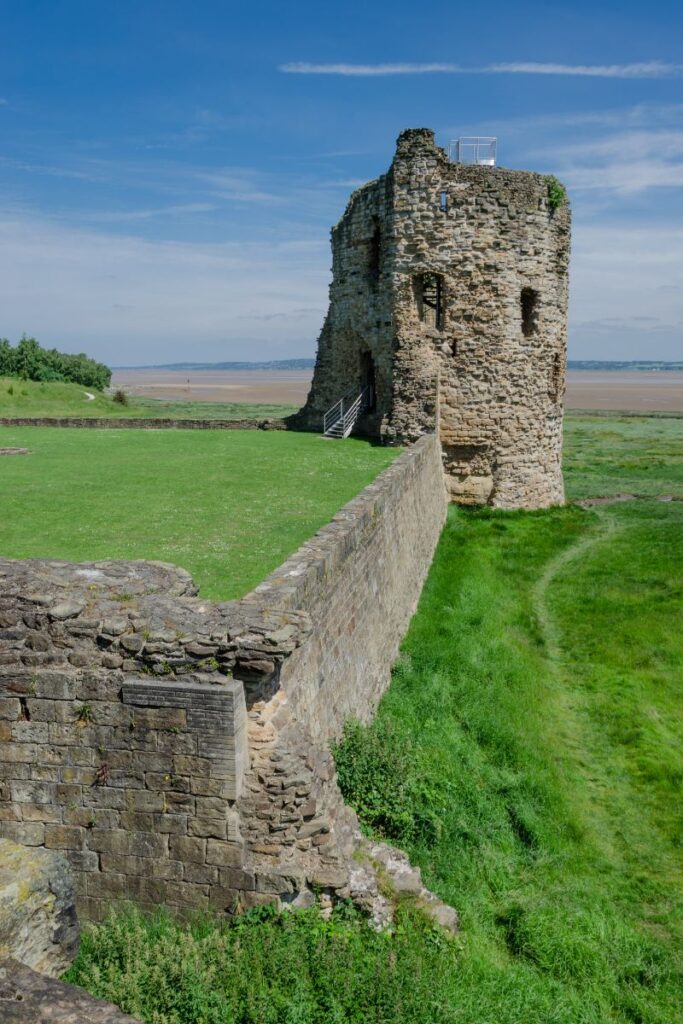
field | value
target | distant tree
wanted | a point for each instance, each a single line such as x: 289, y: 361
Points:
x: 30, y: 361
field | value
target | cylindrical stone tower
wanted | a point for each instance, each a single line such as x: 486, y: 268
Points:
x: 449, y: 297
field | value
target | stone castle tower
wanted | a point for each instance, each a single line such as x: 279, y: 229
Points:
x: 449, y: 300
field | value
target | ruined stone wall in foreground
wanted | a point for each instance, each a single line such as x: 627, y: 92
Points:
x: 178, y: 750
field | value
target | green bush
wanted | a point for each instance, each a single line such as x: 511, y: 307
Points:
x: 270, y: 968
x: 381, y: 775
x: 557, y: 194
x: 28, y: 360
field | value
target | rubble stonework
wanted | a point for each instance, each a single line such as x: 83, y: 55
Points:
x: 178, y: 750
x: 487, y: 369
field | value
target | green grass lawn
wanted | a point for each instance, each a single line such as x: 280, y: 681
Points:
x: 605, y: 455
x: 527, y: 755
x: 229, y: 506
x: 19, y: 398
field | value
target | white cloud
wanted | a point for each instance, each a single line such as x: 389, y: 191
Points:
x: 116, y: 216
x: 366, y: 70
x: 625, y: 163
x: 626, y: 301
x: 643, y: 69
x: 241, y: 187
x: 127, y: 300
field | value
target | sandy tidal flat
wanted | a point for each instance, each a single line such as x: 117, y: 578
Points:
x: 634, y: 391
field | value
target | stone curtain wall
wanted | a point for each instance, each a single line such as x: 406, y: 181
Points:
x: 358, y: 582
x: 487, y: 370
x: 177, y: 750
x: 111, y: 422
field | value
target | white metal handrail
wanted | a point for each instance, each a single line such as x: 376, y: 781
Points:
x: 340, y: 419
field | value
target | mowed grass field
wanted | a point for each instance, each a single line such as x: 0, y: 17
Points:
x: 27, y: 398
x: 527, y: 755
x: 228, y: 506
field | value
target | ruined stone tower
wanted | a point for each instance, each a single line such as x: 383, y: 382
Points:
x: 449, y: 299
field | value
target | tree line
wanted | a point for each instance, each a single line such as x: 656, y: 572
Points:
x: 30, y: 361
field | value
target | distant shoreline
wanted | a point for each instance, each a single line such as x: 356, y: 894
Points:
x: 637, y: 365
x: 275, y: 364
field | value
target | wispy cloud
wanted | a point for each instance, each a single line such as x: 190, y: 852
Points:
x: 626, y: 290
x: 642, y: 69
x: 238, y: 186
x: 119, y: 296
x: 3, y: 102
x: 116, y: 216
x: 624, y: 162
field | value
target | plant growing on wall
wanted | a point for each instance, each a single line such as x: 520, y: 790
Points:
x: 557, y: 193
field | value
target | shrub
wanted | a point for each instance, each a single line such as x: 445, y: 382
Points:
x: 557, y: 194
x: 28, y: 360
x: 381, y: 777
x: 120, y: 397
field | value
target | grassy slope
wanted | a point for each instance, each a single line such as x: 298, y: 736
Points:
x: 30, y: 398
x: 528, y: 756
x: 207, y: 501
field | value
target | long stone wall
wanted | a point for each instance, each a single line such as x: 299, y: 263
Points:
x: 176, y: 749
x: 129, y: 423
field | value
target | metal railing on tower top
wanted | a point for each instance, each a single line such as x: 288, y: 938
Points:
x: 474, y: 149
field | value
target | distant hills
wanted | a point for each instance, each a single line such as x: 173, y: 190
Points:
x: 615, y: 364
x: 308, y: 364
x: 273, y: 364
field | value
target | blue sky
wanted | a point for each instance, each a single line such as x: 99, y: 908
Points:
x: 169, y: 171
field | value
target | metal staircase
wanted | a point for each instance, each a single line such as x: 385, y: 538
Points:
x: 340, y: 420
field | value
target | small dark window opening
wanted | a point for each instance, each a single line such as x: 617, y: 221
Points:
x: 443, y: 202
x: 375, y: 253
x: 454, y: 348
x: 556, y: 377
x: 529, y: 304
x: 367, y: 380
x: 429, y: 295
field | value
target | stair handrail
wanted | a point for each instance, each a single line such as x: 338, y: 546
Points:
x: 339, y: 415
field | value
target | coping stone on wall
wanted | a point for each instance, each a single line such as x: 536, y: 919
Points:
x: 111, y: 423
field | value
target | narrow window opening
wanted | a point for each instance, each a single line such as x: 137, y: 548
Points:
x: 375, y: 253
x: 429, y: 295
x: 454, y: 348
x: 529, y: 305
x: 443, y: 202
x: 25, y: 713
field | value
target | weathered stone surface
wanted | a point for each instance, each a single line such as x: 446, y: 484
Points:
x: 27, y: 997
x: 38, y: 923
x: 487, y: 370
x: 178, y: 751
